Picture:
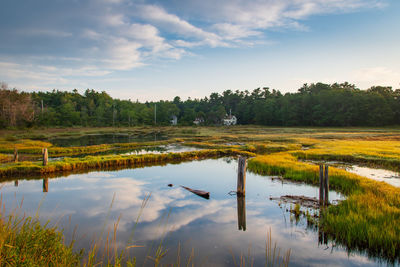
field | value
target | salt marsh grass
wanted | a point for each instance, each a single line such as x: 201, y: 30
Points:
x: 369, y: 219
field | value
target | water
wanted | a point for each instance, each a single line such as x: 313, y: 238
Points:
x: 377, y: 174
x: 387, y: 176
x: 98, y: 139
x: 170, y: 148
x: 177, y: 216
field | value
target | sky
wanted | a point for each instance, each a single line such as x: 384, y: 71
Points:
x: 156, y: 50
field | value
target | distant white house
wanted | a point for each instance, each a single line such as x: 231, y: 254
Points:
x: 174, y: 120
x: 198, y: 121
x: 229, y: 120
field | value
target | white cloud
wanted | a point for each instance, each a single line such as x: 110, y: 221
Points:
x: 173, y: 23
x: 122, y: 35
x: 45, y: 77
x: 123, y: 55
x: 114, y: 19
x: 182, y: 43
x: 231, y: 32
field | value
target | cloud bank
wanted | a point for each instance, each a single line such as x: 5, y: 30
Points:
x: 55, y: 43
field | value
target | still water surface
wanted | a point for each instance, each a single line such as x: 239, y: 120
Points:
x: 382, y: 175
x: 176, y: 216
x: 98, y: 139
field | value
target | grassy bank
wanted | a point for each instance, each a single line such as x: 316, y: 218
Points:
x: 24, y: 242
x: 5, y: 158
x: 369, y: 219
x: 97, y: 162
x: 382, y: 152
x: 32, y: 147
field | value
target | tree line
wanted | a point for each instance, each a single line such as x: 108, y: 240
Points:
x: 316, y: 104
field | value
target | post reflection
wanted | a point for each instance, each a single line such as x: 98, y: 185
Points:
x: 45, y: 185
x: 241, y: 210
x: 322, y: 236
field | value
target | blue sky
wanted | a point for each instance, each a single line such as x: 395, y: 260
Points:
x: 151, y: 50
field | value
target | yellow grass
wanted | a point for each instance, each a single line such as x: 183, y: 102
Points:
x: 369, y: 219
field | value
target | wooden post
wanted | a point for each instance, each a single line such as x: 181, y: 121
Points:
x: 241, y: 180
x: 16, y: 183
x: 321, y: 185
x: 241, y: 210
x: 15, y: 154
x: 45, y: 185
x: 45, y: 156
x: 326, y: 185
x: 320, y: 236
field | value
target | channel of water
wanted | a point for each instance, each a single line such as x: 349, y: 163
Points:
x: 179, y: 218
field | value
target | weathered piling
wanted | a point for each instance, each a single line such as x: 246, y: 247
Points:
x: 45, y: 185
x: 241, y: 181
x: 45, y: 156
x: 16, y: 183
x: 15, y: 155
x: 241, y: 210
x: 326, y: 186
x: 321, y: 185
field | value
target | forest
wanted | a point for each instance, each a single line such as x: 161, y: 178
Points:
x: 316, y: 104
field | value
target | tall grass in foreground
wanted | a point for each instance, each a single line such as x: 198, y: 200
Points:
x: 273, y: 256
x: 25, y: 242
x: 369, y: 219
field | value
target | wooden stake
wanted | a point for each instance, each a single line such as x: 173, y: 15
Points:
x: 16, y: 183
x: 321, y: 185
x: 15, y: 155
x: 241, y: 210
x: 241, y: 181
x: 326, y: 185
x: 201, y: 193
x: 45, y: 156
x: 45, y: 185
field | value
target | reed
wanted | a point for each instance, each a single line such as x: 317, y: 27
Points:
x: 35, y: 147
x: 384, y: 153
x: 23, y: 146
x: 356, y: 222
x: 25, y: 242
x: 369, y: 219
x: 5, y: 158
x: 106, y: 161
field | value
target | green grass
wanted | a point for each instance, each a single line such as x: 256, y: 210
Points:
x: 368, y: 220
x: 98, y: 162
x: 25, y: 242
